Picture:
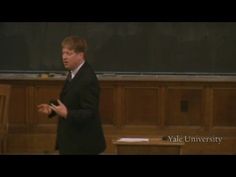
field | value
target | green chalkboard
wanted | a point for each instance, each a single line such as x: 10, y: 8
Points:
x: 125, y: 47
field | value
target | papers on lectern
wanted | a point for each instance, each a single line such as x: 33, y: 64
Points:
x: 133, y: 140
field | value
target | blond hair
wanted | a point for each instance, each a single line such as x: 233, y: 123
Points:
x: 75, y: 43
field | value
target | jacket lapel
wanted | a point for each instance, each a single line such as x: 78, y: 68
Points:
x: 68, y: 84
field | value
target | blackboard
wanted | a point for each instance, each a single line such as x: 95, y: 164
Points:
x: 122, y: 47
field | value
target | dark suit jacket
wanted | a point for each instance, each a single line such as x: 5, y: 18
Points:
x: 81, y: 131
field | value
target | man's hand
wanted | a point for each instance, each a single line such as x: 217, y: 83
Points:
x: 44, y: 108
x: 61, y: 109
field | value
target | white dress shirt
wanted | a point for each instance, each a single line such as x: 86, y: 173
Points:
x: 73, y: 72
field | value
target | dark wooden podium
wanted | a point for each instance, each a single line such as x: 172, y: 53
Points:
x: 155, y: 146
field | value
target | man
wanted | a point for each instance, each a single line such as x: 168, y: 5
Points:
x: 79, y: 128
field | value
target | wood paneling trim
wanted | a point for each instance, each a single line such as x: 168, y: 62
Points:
x: 29, y: 133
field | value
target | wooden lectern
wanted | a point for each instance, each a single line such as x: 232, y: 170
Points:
x: 154, y: 146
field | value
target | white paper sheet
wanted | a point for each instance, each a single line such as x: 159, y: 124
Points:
x: 133, y: 140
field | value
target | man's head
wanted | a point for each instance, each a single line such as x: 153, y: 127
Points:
x: 73, y: 51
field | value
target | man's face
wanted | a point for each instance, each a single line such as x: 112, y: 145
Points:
x: 71, y: 59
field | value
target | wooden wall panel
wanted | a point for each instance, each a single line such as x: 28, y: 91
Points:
x: 131, y: 109
x: 43, y: 94
x: 18, y: 111
x: 107, y: 105
x: 18, y: 102
x: 17, y: 143
x: 224, y: 107
x: 226, y: 147
x: 31, y: 143
x: 184, y: 106
x: 141, y: 106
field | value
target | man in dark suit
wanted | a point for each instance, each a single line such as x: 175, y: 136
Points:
x: 79, y: 127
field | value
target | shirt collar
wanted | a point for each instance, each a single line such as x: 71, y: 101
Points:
x: 74, y: 72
